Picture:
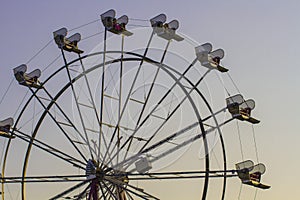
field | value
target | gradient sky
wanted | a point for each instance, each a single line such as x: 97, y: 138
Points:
x: 260, y: 38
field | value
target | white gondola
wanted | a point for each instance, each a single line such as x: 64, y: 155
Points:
x: 107, y: 18
x: 210, y: 59
x: 69, y: 44
x: 27, y: 79
x: 59, y: 35
x: 143, y: 164
x: 117, y: 26
x: 165, y: 30
x: 158, y: 21
x: 241, y: 109
x: 250, y: 174
x: 5, y: 126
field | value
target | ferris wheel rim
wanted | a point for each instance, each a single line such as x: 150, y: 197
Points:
x: 118, y: 60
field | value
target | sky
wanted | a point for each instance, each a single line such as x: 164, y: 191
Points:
x: 260, y: 39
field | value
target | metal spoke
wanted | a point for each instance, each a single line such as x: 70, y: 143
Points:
x: 66, y: 117
x: 172, y: 150
x: 102, y: 191
x: 176, y: 108
x: 77, y: 104
x: 43, y: 179
x: 157, y: 174
x: 169, y: 116
x: 131, y: 159
x: 102, y: 92
x: 184, y: 177
x: 216, y: 122
x: 59, y: 126
x: 109, y: 190
x: 177, y: 134
x: 147, y: 97
x: 51, y: 150
x: 181, y: 175
x: 120, y: 96
x: 129, y: 93
x: 93, y: 103
x: 129, y: 195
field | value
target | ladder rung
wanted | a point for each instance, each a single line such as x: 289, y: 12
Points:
x: 44, y: 98
x: 188, y: 87
x: 78, y: 142
x: 140, y: 139
x: 208, y: 125
x: 85, y: 105
x: 52, y: 150
x: 73, y: 70
x: 65, y: 124
x: 159, y: 117
x: 132, y: 99
x: 109, y: 125
x: 172, y: 143
x: 115, y: 98
x: 113, y: 126
x: 138, y: 101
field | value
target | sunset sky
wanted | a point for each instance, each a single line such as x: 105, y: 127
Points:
x: 261, y: 42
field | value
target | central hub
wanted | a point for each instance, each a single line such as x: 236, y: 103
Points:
x: 94, y: 171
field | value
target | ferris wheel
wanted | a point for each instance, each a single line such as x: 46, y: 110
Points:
x: 136, y: 118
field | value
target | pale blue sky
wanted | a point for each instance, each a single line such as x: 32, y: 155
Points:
x: 260, y: 38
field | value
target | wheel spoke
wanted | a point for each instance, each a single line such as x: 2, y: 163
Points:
x: 103, y: 193
x: 69, y: 121
x: 181, y: 175
x: 172, y: 112
x: 51, y: 150
x: 59, y: 126
x: 120, y: 96
x: 147, y: 97
x: 45, y: 179
x: 133, y: 158
x: 102, y: 91
x: 128, y: 141
x: 109, y: 189
x: 129, y: 195
x: 93, y: 104
x: 128, y: 96
x: 77, y: 105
